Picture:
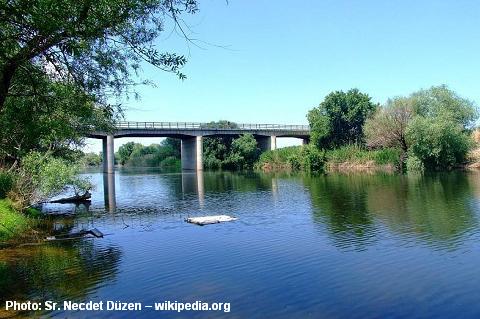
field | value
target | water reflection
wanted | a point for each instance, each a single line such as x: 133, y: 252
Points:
x: 57, y: 272
x: 304, y: 246
x: 437, y: 209
x: 109, y: 192
x: 193, y: 183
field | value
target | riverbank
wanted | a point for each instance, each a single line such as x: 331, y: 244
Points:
x: 344, y: 159
x: 16, y: 226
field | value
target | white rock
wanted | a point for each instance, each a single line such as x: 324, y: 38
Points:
x: 205, y: 220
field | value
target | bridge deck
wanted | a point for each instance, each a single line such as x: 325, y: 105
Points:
x: 181, y: 129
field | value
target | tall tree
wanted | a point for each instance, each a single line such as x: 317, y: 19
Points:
x: 94, y: 44
x: 387, y: 127
x: 339, y: 119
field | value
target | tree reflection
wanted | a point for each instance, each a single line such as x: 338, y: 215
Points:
x: 437, y: 209
x: 66, y: 271
x: 340, y: 203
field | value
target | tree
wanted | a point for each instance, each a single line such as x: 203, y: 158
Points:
x: 94, y: 44
x: 124, y: 152
x: 217, y: 149
x: 440, y: 101
x: 438, y: 134
x: 387, y: 127
x: 244, y: 152
x: 174, y: 144
x: 54, y: 118
x: 339, y: 119
x: 438, y: 142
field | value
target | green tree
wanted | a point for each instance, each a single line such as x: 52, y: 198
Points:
x: 439, y: 133
x: 124, y: 152
x: 94, y: 44
x: 440, y: 101
x: 174, y: 144
x: 91, y: 159
x: 438, y: 142
x: 55, y: 118
x: 244, y: 152
x: 339, y: 119
x: 217, y: 149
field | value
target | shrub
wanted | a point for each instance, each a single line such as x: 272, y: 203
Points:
x: 414, y: 164
x: 42, y: 176
x: 356, y: 154
x: 6, y: 183
x: 438, y: 142
x: 313, y: 159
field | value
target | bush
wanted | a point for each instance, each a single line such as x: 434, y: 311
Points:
x: 438, y: 142
x: 306, y: 158
x: 356, y: 154
x: 414, y: 164
x: 42, y: 176
x: 313, y: 159
x: 6, y: 183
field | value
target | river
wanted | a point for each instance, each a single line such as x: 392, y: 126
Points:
x: 335, y: 246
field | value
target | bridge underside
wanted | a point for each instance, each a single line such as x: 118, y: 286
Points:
x: 191, y: 143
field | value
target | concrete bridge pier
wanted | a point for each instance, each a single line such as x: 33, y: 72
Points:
x: 192, y: 153
x: 108, y: 154
x: 266, y: 143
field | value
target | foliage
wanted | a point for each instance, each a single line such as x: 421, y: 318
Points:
x: 124, y: 152
x: 230, y: 153
x: 91, y: 159
x: 414, y: 164
x: 6, y: 183
x: 42, y: 176
x: 441, y: 102
x: 165, y: 155
x: 339, y: 119
x: 313, y: 160
x: 305, y: 158
x: 94, y: 44
x: 310, y: 159
x: 388, y: 125
x: 439, y: 142
x: 356, y: 154
x: 216, y: 150
x: 12, y: 222
x: 54, y: 118
x: 244, y: 152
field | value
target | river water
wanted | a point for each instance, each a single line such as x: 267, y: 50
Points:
x: 336, y: 246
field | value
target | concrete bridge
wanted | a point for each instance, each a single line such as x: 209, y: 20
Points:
x: 191, y: 136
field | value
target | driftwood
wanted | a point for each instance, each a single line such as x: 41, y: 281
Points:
x: 206, y: 220
x: 94, y: 232
x: 74, y: 199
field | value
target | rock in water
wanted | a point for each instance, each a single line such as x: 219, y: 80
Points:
x: 206, y: 220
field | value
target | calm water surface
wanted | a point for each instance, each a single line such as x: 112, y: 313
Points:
x: 337, y: 246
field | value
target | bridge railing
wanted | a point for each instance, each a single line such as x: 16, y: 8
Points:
x: 208, y: 126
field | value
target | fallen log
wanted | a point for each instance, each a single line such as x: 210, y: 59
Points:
x: 94, y: 232
x: 206, y: 220
x: 74, y: 199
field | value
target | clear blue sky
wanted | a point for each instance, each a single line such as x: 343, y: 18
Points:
x: 283, y: 57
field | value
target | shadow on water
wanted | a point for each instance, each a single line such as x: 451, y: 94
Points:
x: 435, y: 209
x: 62, y: 271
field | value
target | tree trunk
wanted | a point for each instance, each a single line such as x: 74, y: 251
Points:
x: 6, y: 76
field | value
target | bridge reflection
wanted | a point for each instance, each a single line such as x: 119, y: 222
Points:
x: 109, y: 192
x: 192, y: 183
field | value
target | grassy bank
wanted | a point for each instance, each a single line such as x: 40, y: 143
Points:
x: 13, y: 224
x: 355, y: 158
x: 346, y: 158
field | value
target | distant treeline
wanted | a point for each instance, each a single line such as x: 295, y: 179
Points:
x: 164, y: 155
